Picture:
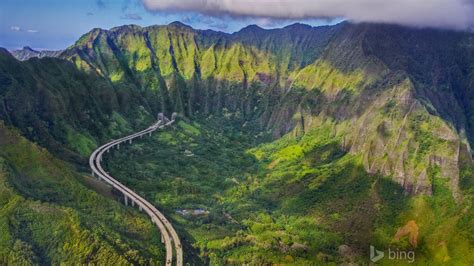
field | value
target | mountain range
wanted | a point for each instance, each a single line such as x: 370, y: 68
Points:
x: 27, y: 52
x: 399, y: 101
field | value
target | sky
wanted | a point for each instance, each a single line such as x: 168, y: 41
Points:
x: 57, y: 24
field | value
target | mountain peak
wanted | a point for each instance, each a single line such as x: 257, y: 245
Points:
x: 130, y: 27
x: 27, y: 52
x: 251, y: 28
x: 298, y: 26
x: 27, y: 48
x: 180, y: 24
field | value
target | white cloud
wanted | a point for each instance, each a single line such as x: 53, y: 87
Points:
x: 32, y: 31
x: 15, y: 28
x: 457, y: 14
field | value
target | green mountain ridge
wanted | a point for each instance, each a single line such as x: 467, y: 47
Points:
x: 64, y: 109
x: 288, y: 79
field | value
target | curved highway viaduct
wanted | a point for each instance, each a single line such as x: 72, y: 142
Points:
x: 168, y: 234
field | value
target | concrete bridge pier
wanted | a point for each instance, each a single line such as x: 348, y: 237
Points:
x: 133, y: 203
x: 140, y: 207
x: 162, y: 239
x: 130, y: 141
x: 118, y: 146
x: 125, y: 199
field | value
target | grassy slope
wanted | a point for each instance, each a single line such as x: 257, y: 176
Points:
x: 49, y: 216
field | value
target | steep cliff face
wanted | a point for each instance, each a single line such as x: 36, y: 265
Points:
x: 201, y: 70
x: 401, y: 97
x: 396, y: 117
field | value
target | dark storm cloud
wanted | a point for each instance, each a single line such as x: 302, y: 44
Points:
x: 456, y: 14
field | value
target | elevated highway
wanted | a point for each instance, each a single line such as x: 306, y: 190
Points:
x: 168, y: 235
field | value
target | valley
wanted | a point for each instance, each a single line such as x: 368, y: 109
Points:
x: 256, y: 209
x: 297, y: 146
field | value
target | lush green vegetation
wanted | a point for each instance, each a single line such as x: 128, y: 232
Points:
x: 292, y: 201
x: 50, y: 215
x: 65, y: 110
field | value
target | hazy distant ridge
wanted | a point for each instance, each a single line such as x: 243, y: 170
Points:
x: 27, y: 52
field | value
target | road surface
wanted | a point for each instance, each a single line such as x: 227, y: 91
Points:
x: 168, y: 234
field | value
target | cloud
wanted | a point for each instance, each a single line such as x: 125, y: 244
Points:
x: 268, y: 22
x: 455, y: 14
x: 15, y: 28
x: 18, y: 28
x: 132, y: 16
x: 89, y: 14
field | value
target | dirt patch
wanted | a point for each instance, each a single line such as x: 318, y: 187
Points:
x: 410, y: 230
